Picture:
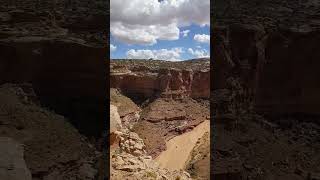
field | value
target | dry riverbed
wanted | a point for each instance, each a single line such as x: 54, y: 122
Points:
x: 180, y: 147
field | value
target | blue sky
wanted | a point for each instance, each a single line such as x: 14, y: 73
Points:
x: 154, y: 29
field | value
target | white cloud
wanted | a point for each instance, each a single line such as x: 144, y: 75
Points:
x: 202, y: 38
x: 112, y: 47
x: 185, y: 33
x: 147, y: 35
x: 146, y: 21
x: 173, y: 54
x: 198, y: 47
x: 202, y: 53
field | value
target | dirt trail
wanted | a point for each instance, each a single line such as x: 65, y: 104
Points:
x: 180, y: 147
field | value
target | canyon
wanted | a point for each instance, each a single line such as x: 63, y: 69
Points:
x: 179, y: 148
x: 166, y: 105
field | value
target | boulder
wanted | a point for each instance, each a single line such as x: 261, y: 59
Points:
x: 115, y: 121
x: 12, y: 164
x: 115, y: 125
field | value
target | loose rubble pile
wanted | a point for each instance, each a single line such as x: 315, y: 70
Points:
x: 129, y: 159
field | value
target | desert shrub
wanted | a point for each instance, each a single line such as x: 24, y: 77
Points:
x: 151, y: 174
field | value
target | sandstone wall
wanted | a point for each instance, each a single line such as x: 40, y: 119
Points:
x: 168, y: 82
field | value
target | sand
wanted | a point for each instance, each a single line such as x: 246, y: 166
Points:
x: 180, y: 147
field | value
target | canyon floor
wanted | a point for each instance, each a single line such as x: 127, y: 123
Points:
x: 168, y: 124
x: 180, y: 147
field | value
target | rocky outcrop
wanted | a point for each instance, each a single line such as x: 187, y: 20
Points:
x: 115, y: 121
x: 135, y: 85
x: 59, y: 18
x: 131, y: 143
x: 131, y: 161
x: 137, y: 82
x: 200, y: 87
x: 165, y: 118
x: 164, y: 92
x: 129, y: 112
x: 12, y: 164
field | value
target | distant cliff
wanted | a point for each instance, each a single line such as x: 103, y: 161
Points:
x: 165, y: 79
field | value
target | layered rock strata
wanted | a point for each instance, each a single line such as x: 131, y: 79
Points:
x: 144, y: 82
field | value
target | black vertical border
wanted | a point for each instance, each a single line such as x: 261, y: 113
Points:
x: 106, y: 145
x: 212, y: 19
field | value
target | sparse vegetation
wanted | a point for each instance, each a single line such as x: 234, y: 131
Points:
x: 150, y: 174
x: 194, y: 64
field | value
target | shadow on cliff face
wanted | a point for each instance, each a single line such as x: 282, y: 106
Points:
x: 267, y: 116
x: 139, y: 98
x: 86, y: 114
x: 72, y: 83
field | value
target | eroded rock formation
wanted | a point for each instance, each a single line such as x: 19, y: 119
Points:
x: 145, y: 83
x: 166, y: 92
x: 130, y: 160
x: 129, y: 112
x: 157, y: 100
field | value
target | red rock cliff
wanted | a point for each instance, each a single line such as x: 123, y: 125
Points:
x: 171, y: 82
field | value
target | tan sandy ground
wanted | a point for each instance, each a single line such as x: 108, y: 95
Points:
x: 180, y: 147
